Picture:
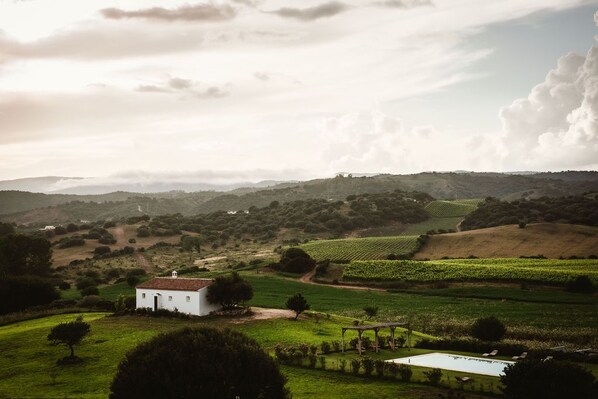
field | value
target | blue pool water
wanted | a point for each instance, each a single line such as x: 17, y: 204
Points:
x: 466, y: 364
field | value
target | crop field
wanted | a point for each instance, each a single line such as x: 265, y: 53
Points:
x: 533, y: 270
x: 360, y: 248
x: 448, y: 209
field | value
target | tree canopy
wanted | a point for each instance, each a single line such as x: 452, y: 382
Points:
x: 534, y: 379
x: 229, y: 291
x: 298, y: 304
x: 69, y: 334
x: 202, y: 362
x: 24, y: 255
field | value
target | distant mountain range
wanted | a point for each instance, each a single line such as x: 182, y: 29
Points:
x: 37, y: 208
x: 145, y: 184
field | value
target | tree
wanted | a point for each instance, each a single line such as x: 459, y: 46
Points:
x: 69, y: 334
x: 91, y: 290
x: 24, y: 255
x: 190, y: 243
x: 21, y: 292
x: 229, y: 291
x: 296, y: 260
x: 488, y: 329
x: 132, y: 281
x: 204, y: 362
x: 371, y: 311
x: 298, y: 304
x: 581, y: 284
x: 534, y: 379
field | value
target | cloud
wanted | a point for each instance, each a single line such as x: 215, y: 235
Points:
x: 556, y: 125
x: 98, y: 42
x: 208, y: 12
x: 184, y: 86
x: 324, y: 10
x: 403, y: 3
x: 375, y: 142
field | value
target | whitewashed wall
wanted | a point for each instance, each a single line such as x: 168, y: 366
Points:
x: 198, y: 303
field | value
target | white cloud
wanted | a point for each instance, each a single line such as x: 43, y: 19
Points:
x: 557, y: 124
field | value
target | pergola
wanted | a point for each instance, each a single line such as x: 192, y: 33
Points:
x: 375, y: 328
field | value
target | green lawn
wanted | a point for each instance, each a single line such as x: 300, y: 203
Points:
x: 566, y: 319
x: 28, y: 369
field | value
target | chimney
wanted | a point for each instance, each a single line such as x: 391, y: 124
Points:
x: 174, y: 274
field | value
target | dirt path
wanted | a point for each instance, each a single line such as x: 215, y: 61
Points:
x: 265, y: 314
x: 143, y: 262
x: 119, y: 234
x: 307, y: 279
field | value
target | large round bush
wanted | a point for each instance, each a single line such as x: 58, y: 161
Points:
x: 488, y: 329
x: 534, y: 379
x: 199, y: 363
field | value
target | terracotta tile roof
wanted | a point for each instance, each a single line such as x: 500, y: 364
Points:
x: 177, y: 284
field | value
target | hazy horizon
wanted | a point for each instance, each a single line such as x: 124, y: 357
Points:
x: 243, y: 90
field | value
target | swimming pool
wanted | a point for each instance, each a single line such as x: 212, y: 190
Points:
x: 446, y: 361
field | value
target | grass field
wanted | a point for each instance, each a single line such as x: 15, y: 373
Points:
x: 552, y: 240
x: 28, y: 370
x: 360, y: 248
x: 451, y: 209
x: 532, y: 270
x: 544, y: 321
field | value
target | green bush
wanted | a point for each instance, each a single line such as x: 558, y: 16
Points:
x: 216, y: 363
x: 535, y: 379
x: 368, y: 365
x: 581, y: 284
x: 91, y: 290
x: 433, y: 376
x: 488, y: 329
x: 405, y: 372
x: 20, y: 293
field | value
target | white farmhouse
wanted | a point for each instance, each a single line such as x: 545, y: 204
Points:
x: 187, y: 295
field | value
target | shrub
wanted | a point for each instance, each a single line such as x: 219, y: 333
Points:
x: 325, y: 346
x: 355, y: 366
x: 312, y: 360
x: 368, y: 365
x: 69, y: 334
x: 488, y: 329
x: 132, y: 241
x: 244, y: 369
x: 296, y: 260
x: 534, y: 379
x: 405, y: 372
x: 143, y: 231
x: 342, y: 365
x: 298, y: 304
x: 132, y: 281
x: 229, y: 291
x: 336, y: 345
x: 471, y: 345
x: 392, y: 368
x: 433, y: 376
x: 101, y: 250
x: 371, y: 311
x: 71, y: 242
x: 322, y: 360
x: 581, y: 284
x: 379, y: 365
x: 64, y: 285
x: 136, y: 272
x: 90, y: 301
x: 19, y: 293
x: 91, y: 290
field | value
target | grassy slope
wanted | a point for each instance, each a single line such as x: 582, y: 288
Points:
x: 548, y: 239
x: 272, y: 292
x: 29, y: 361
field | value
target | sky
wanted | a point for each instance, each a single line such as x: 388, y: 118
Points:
x: 257, y: 89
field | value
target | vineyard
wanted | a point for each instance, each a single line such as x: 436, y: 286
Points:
x: 533, y: 270
x: 450, y: 209
x: 360, y: 248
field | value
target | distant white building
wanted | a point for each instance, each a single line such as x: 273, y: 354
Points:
x: 49, y: 228
x: 187, y: 295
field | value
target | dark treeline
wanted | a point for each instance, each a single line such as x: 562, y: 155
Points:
x: 573, y: 209
x: 309, y: 216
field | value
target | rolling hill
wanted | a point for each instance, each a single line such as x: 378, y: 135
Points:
x: 549, y: 239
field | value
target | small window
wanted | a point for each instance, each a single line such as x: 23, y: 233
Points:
x: 188, y: 298
x: 143, y: 296
x: 169, y: 298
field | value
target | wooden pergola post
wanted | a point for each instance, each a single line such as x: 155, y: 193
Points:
x: 376, y: 343
x: 359, y: 332
x: 343, y: 340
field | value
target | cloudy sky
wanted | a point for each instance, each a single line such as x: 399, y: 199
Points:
x: 260, y: 89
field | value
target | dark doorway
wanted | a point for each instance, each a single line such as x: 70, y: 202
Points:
x: 155, y: 303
